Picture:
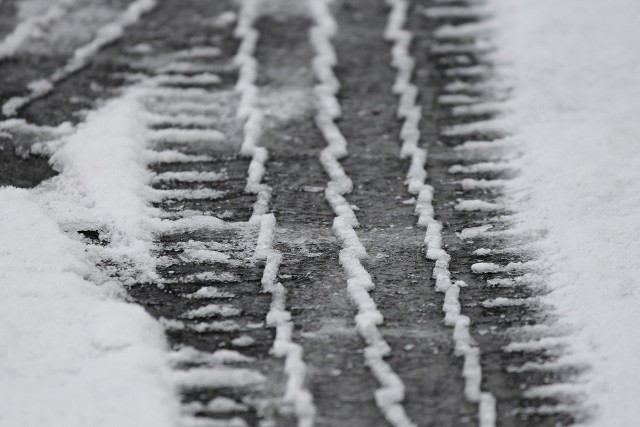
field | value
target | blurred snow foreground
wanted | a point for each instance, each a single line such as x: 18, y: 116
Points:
x: 65, y: 339
x: 575, y: 70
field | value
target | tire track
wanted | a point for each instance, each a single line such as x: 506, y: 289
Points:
x: 296, y: 394
x: 341, y: 385
x: 411, y: 113
x: 498, y: 265
x: 207, y: 294
x: 230, y: 244
x: 390, y: 394
x: 421, y: 346
x: 81, y: 56
x: 25, y: 29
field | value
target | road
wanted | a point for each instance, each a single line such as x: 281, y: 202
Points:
x: 264, y: 286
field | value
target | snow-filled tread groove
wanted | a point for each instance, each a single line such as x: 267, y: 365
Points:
x: 214, y: 261
x: 410, y: 112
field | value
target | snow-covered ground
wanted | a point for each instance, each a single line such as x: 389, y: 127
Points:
x: 575, y: 67
x: 73, y: 352
x: 68, y: 334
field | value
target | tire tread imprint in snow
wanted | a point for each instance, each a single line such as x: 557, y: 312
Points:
x: 317, y: 298
x: 493, y: 327
x: 422, y: 349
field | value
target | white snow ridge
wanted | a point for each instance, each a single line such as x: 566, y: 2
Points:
x: 66, y: 339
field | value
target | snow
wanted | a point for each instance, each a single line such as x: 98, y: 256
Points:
x: 103, y: 185
x: 210, y: 310
x: 416, y: 176
x: 390, y: 395
x: 71, y: 349
x: 210, y: 292
x: 493, y: 126
x: 481, y: 184
x: 216, y: 405
x: 105, y: 35
x: 207, y: 276
x: 508, y: 302
x: 186, y: 136
x: 181, y: 79
x: 575, y: 68
x: 187, y: 194
x: 189, y: 355
x: 190, y: 176
x: 457, y: 12
x: 211, y: 422
x: 485, y: 167
x: 173, y: 156
x: 199, y: 52
x: 474, y: 232
x: 296, y: 394
x: 243, y: 341
x: 71, y: 346
x: 218, y: 325
x: 476, y: 205
x: 194, y: 118
x: 206, y: 256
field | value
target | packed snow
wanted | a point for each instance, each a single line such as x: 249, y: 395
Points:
x: 575, y: 68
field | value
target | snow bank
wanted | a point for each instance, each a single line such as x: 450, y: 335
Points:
x: 103, y: 186
x: 71, y: 353
x: 575, y: 66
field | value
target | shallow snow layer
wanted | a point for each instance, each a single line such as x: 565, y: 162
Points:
x: 576, y: 70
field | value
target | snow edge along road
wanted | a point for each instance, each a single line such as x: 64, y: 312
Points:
x: 89, y: 342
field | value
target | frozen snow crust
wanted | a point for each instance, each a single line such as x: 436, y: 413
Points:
x: 575, y: 69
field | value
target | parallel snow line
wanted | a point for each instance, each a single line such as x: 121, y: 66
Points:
x: 390, y: 395
x: 296, y: 392
x: 81, y: 56
x: 411, y: 113
x: 25, y: 29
